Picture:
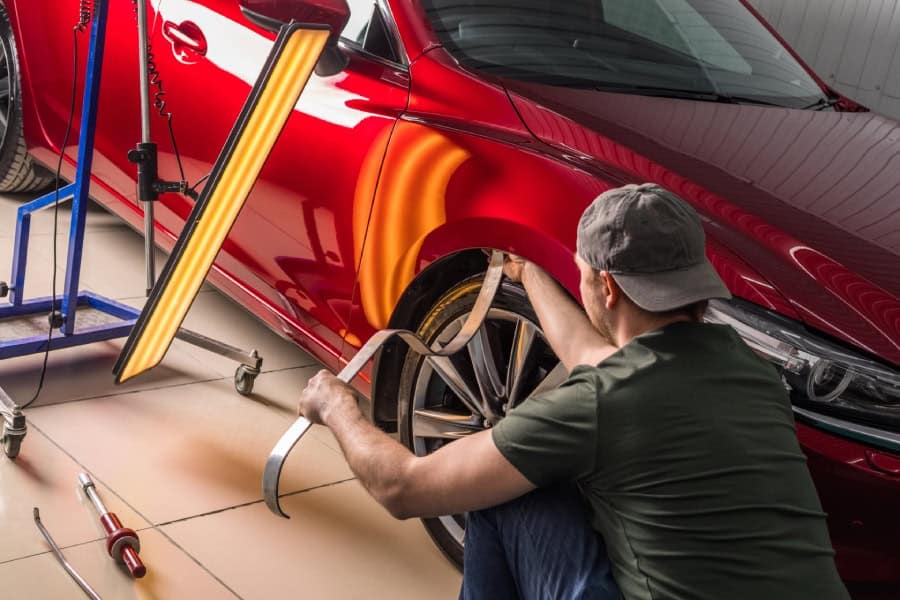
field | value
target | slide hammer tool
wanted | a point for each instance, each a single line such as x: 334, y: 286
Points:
x: 122, y: 544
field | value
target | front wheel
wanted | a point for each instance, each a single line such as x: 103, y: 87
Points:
x: 444, y: 399
x: 18, y: 173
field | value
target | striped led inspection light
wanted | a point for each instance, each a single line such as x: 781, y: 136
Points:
x: 272, y: 99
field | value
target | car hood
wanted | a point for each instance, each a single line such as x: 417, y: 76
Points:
x: 811, y: 200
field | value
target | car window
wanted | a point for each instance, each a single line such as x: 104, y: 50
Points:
x: 367, y: 29
x: 676, y: 24
x: 360, y: 15
x: 704, y: 49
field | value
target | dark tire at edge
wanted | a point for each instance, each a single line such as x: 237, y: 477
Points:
x: 18, y: 172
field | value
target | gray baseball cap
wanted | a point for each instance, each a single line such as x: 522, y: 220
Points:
x: 653, y: 244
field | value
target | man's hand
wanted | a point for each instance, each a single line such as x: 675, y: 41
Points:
x: 468, y: 474
x: 323, y: 393
x: 566, y: 326
x: 513, y: 267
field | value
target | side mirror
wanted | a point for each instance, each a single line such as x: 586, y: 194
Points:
x: 334, y: 14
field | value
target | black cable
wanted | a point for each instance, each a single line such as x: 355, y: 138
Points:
x: 85, y: 10
x: 84, y: 17
x: 193, y: 188
x: 159, y: 103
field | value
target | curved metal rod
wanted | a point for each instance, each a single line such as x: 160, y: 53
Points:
x: 275, y: 462
x: 59, y: 556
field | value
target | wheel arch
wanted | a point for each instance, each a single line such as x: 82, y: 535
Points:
x: 449, y: 255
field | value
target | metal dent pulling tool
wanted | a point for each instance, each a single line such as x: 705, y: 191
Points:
x: 470, y: 327
x: 122, y: 543
x: 84, y: 585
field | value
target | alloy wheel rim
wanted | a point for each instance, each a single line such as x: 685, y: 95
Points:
x: 505, y: 363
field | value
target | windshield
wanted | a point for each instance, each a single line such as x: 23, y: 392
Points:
x: 715, y: 48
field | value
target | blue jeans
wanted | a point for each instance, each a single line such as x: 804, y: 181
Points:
x: 538, y: 546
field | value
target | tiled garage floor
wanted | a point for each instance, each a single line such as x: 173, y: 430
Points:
x: 178, y: 455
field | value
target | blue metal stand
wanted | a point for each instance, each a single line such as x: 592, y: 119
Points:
x: 67, y: 336
x: 78, y: 192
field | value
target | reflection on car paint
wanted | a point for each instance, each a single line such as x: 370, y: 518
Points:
x: 741, y: 198
x: 409, y: 204
x: 234, y: 48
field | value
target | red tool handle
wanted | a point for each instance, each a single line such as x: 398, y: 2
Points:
x: 133, y: 562
x: 123, y: 544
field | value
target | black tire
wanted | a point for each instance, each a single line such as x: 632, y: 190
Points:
x: 18, y: 172
x: 449, y: 310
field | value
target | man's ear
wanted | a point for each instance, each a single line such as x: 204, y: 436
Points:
x: 609, y: 289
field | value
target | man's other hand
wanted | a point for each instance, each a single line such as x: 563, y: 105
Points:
x: 322, y: 393
x: 513, y: 266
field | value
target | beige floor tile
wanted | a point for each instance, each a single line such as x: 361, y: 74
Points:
x: 281, y: 390
x: 338, y: 544
x: 44, y: 476
x: 86, y: 372
x: 171, y: 574
x: 186, y: 450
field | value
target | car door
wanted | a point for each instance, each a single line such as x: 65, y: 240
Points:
x: 295, y: 246
x: 297, y: 240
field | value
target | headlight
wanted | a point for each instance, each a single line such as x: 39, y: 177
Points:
x: 836, y: 388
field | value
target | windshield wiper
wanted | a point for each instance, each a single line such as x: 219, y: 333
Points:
x: 730, y: 99
x: 663, y: 92
x: 822, y: 103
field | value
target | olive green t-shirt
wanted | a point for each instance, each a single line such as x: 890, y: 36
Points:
x: 684, y: 448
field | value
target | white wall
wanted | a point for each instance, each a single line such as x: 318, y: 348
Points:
x: 853, y: 44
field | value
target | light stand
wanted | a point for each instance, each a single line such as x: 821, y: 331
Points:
x: 145, y: 154
x: 101, y: 318
x: 144, y: 195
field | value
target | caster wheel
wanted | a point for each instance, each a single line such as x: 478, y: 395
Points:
x: 244, y: 377
x: 11, y: 444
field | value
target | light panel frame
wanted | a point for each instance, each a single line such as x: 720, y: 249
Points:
x: 264, y: 115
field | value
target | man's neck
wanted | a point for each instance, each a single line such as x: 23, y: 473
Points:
x: 638, y: 324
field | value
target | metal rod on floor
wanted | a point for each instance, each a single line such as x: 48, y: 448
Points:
x: 62, y: 560
x: 144, y: 65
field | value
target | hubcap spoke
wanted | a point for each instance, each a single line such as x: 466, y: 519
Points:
x: 444, y: 425
x: 447, y: 371
x: 490, y: 385
x: 523, y: 342
x: 4, y: 88
x: 482, y: 384
x: 555, y: 377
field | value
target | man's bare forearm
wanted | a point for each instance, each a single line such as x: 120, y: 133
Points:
x: 377, y: 460
x: 566, y: 326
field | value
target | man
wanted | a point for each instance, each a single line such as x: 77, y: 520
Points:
x: 671, y: 441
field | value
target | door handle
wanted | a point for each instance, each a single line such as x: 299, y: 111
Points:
x: 188, y: 41
x: 883, y: 462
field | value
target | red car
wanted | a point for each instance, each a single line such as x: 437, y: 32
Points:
x: 462, y: 126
